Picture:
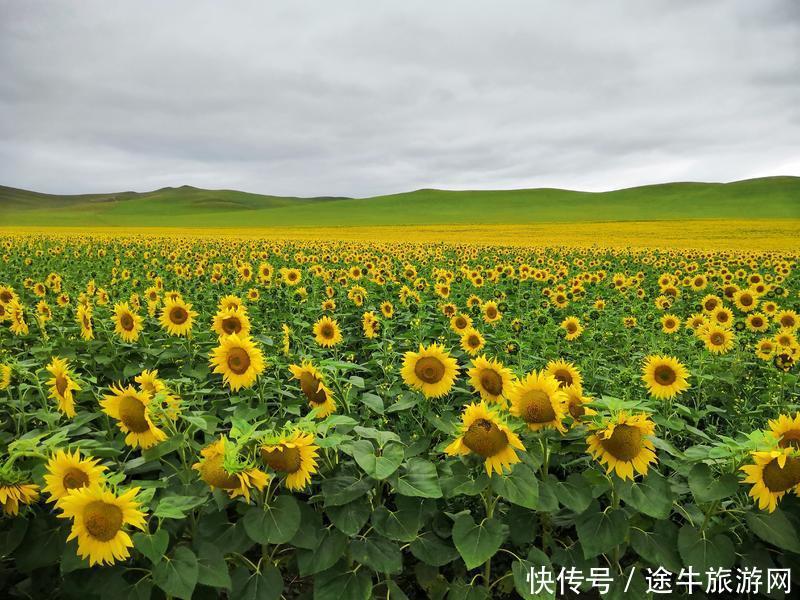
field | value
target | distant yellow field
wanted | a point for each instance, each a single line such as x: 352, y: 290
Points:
x: 763, y: 235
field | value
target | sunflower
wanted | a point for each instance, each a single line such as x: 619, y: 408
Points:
x: 538, y: 400
x: 718, y: 340
x: 431, y: 370
x: 291, y: 276
x: 84, y: 319
x: 327, y: 333
x: 460, y: 323
x: 785, y: 338
x: 565, y: 373
x: 745, y: 300
x: 295, y: 455
x: 213, y: 471
x: 757, y: 322
x: 623, y: 445
x: 665, y: 376
x: 490, y: 379
x: 238, y: 360
x: 149, y: 382
x: 483, y: 432
x: 127, y: 324
x: 722, y: 316
x: 5, y: 376
x: 387, y: 309
x: 772, y: 474
x: 68, y: 471
x: 472, y: 341
x: 313, y: 386
x: 131, y: 410
x: 231, y: 302
x: 229, y: 321
x: 62, y: 386
x: 14, y: 494
x: 765, y: 349
x: 786, y: 430
x: 695, y: 321
x: 98, y: 517
x: 572, y: 327
x: 576, y: 403
x: 670, y: 324
x: 787, y: 319
x: 287, y: 339
x: 491, y: 313
x: 177, y: 316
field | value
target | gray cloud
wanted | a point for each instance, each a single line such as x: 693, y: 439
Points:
x: 354, y: 98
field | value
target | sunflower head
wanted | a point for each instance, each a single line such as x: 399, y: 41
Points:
x: 472, y: 341
x: 177, y: 317
x: 431, y: 370
x: 538, y: 400
x: 564, y: 372
x: 230, y: 321
x: 131, y: 409
x: 98, y: 520
x: 327, y: 333
x: 238, y: 360
x: 623, y: 444
x: 664, y: 376
x: 490, y: 379
x: 483, y: 432
x: 222, y: 467
x: 68, y: 471
x: 773, y: 473
x: 313, y: 387
x: 293, y: 455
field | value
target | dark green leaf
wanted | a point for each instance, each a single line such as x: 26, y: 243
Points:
x: 177, y: 575
x: 274, y: 524
x: 477, y: 542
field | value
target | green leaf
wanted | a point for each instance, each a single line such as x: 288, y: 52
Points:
x: 373, y: 401
x: 380, y: 465
x: 548, y: 500
x: 601, y: 531
x: 340, y: 584
x: 350, y: 518
x: 70, y: 561
x: 521, y: 570
x: 152, y: 546
x: 274, y: 524
x: 12, y: 535
x: 575, y: 493
x: 519, y: 487
x: 703, y: 553
x: 418, y: 479
x: 477, y: 542
x: 433, y: 550
x: 266, y: 585
x: 401, y: 524
x: 378, y: 553
x: 707, y: 489
x: 332, y: 546
x: 774, y: 528
x: 212, y: 570
x: 177, y: 575
x: 652, y: 495
x: 659, y: 548
x: 176, y: 507
x: 344, y: 488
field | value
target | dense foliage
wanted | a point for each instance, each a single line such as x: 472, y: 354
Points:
x: 194, y: 417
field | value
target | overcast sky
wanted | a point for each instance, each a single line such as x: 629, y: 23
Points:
x: 361, y: 98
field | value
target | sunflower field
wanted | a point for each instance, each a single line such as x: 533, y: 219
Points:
x: 213, y: 416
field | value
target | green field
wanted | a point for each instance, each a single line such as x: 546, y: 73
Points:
x: 766, y: 198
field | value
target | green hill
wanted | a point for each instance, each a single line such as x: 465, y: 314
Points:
x: 771, y: 197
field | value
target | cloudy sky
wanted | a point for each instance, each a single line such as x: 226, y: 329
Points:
x: 361, y: 98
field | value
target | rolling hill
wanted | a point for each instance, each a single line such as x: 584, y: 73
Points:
x: 186, y: 206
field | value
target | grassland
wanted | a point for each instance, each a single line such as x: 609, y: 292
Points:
x: 766, y: 198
